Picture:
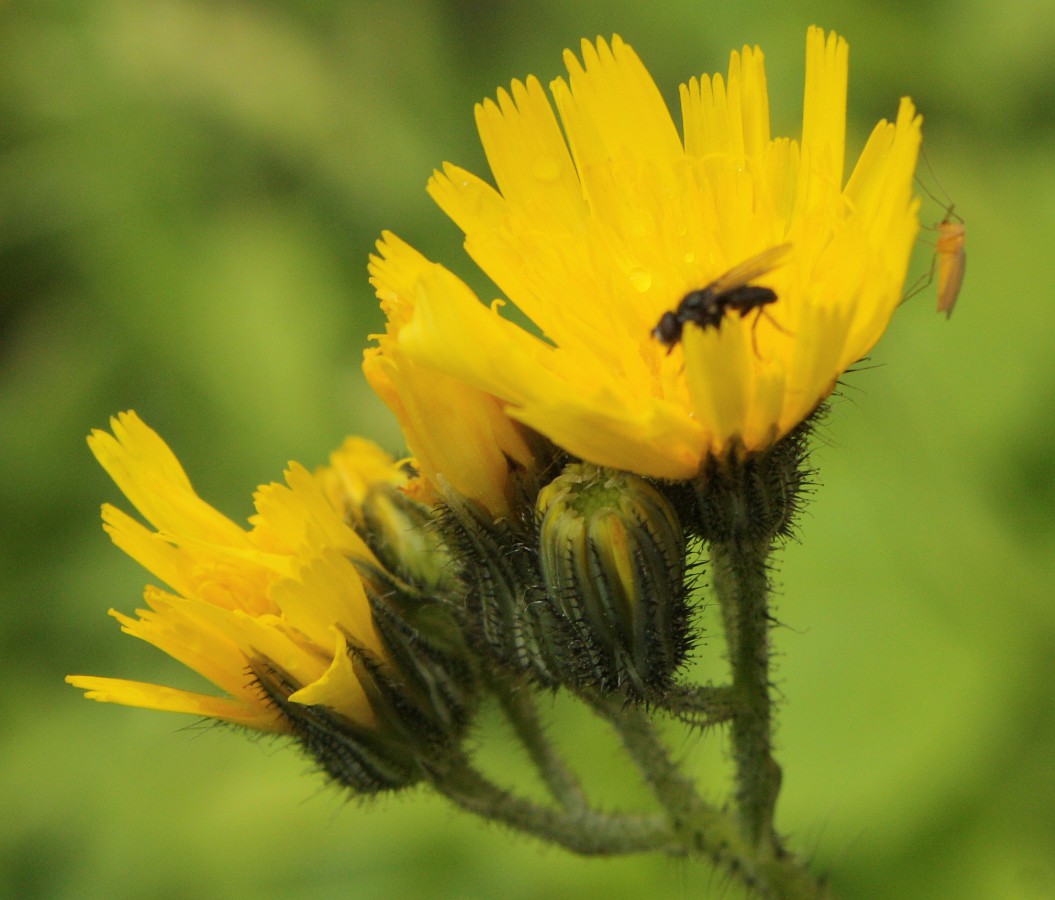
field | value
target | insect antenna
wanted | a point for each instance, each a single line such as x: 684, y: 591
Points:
x: 949, y: 257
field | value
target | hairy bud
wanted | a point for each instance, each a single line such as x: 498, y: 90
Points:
x: 612, y: 556
x: 752, y: 499
x: 402, y: 534
x: 503, y: 611
x: 420, y: 687
x: 368, y: 760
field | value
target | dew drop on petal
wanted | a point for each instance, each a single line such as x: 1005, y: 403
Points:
x: 641, y: 279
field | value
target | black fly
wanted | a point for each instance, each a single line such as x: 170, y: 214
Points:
x: 708, y: 306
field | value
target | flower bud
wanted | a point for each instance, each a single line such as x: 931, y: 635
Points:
x: 503, y: 610
x: 383, y: 500
x: 368, y: 760
x: 402, y: 534
x: 612, y: 554
x: 428, y: 688
x: 422, y: 684
x: 752, y: 498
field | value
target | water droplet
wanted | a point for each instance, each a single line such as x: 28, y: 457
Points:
x: 641, y: 279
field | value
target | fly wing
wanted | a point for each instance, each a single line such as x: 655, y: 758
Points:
x: 750, y: 269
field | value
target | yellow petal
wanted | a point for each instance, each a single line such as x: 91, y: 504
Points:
x: 276, y: 596
x: 454, y: 430
x: 595, y: 264
x: 339, y: 688
x: 298, y: 516
x: 327, y: 591
x: 824, y: 103
x: 528, y: 156
x: 354, y: 469
x: 717, y: 366
x: 150, y: 476
x: 166, y: 699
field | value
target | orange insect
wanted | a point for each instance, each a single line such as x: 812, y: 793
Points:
x: 951, y: 259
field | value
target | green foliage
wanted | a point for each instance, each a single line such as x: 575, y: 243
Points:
x: 188, y: 193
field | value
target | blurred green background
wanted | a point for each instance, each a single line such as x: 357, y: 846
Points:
x: 188, y: 194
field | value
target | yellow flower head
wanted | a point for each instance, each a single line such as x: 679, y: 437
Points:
x: 285, y: 592
x: 459, y: 435
x: 605, y: 218
x: 358, y: 467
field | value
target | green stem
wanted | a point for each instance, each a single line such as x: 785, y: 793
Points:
x: 699, y: 705
x: 518, y: 703
x: 702, y: 829
x: 584, y: 831
x: 742, y: 585
x: 675, y: 792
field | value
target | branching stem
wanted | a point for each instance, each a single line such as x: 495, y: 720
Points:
x: 699, y: 705
x: 518, y: 704
x: 585, y: 831
x: 700, y: 828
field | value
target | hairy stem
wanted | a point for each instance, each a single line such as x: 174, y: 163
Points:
x: 583, y: 831
x: 518, y: 703
x: 700, y: 828
x: 699, y: 705
x: 742, y: 586
x: 670, y: 786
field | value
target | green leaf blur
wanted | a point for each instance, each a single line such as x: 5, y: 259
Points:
x: 188, y: 194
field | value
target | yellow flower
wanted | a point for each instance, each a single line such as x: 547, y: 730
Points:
x: 358, y: 467
x: 605, y: 219
x: 285, y: 593
x: 389, y: 505
x: 459, y: 435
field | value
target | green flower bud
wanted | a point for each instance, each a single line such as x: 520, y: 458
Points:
x: 366, y: 760
x: 752, y: 499
x: 612, y: 554
x: 420, y: 687
x: 402, y: 534
x: 428, y: 688
x: 503, y: 610
x: 425, y: 688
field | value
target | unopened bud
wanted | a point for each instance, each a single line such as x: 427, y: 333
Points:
x: 428, y: 688
x: 368, y: 760
x: 504, y: 613
x: 403, y: 535
x: 612, y: 554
